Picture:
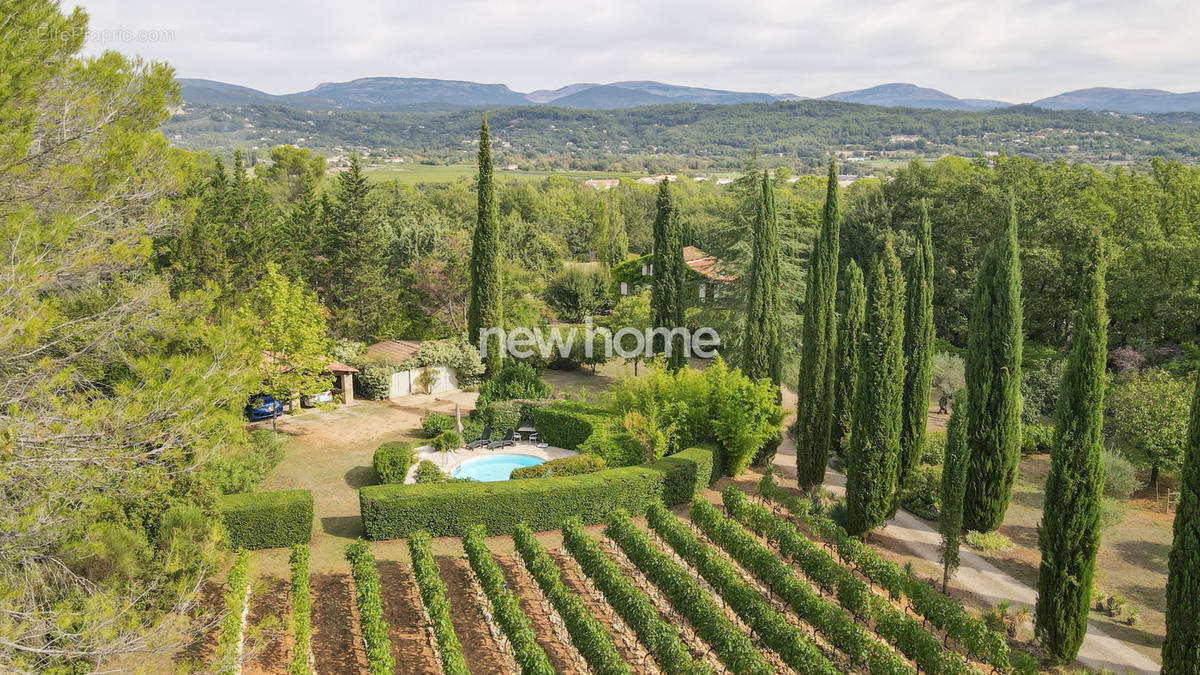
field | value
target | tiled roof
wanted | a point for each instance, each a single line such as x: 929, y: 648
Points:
x: 395, y: 352
x: 705, y: 265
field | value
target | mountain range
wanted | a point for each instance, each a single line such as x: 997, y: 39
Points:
x: 405, y: 93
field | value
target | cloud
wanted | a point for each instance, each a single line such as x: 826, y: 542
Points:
x: 1017, y: 50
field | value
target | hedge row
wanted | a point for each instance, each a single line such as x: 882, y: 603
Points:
x: 659, y: 637
x: 505, y: 606
x: 370, y: 609
x: 257, y: 520
x: 447, y: 510
x: 827, y: 618
x: 734, y: 648
x: 941, y: 611
x: 785, y: 639
x: 433, y: 595
x: 901, y: 630
x: 575, y: 465
x: 301, y: 612
x: 226, y: 659
x: 392, y: 461
x: 587, y: 633
x: 563, y: 427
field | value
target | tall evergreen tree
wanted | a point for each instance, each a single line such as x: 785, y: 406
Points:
x: 993, y: 368
x: 815, y: 390
x: 954, y: 485
x: 1181, y: 649
x: 613, y: 244
x: 667, y: 297
x: 484, y: 309
x: 356, y: 251
x: 761, y: 347
x: 849, y: 341
x: 1069, y: 535
x: 874, y: 456
x: 918, y: 353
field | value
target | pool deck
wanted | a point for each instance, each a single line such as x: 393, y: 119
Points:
x: 447, y: 461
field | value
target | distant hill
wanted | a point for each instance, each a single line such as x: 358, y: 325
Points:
x: 607, y: 97
x: 1123, y: 100
x: 383, y: 93
x: 211, y: 92
x: 911, y: 96
x: 548, y: 95
x: 680, y: 94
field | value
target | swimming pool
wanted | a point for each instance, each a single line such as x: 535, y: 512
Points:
x: 493, y: 468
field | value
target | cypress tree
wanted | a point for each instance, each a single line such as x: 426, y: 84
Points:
x: 761, y: 356
x: 1069, y: 535
x: 874, y: 454
x: 1181, y: 649
x: 667, y: 295
x: 918, y: 354
x: 993, y: 370
x: 954, y: 484
x: 484, y: 309
x: 815, y: 390
x: 849, y: 339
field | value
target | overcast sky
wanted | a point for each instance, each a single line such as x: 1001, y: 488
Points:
x: 1014, y: 50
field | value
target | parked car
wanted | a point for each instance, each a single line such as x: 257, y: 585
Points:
x: 318, y: 398
x: 263, y: 407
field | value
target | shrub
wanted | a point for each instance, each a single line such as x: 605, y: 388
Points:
x: 374, y: 380
x: 434, y: 423
x: 935, y: 448
x: 1120, y: 477
x: 392, y: 461
x: 257, y: 520
x: 433, y: 595
x: 501, y: 416
x: 563, y: 466
x: 1040, y: 385
x: 1037, y: 439
x: 457, y: 353
x: 395, y: 511
x: 515, y: 380
x: 246, y: 468
x: 579, y: 292
x: 182, y: 522
x: 988, y: 541
x: 448, y: 440
x: 428, y: 472
x: 301, y: 612
x: 226, y: 658
x: 370, y: 609
x: 922, y: 495
x: 564, y: 425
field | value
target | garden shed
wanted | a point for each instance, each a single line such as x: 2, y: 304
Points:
x: 408, y: 381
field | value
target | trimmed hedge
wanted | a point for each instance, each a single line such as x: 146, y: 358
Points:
x: 448, y: 510
x: 278, y: 519
x: 575, y: 465
x: 562, y: 426
x: 392, y: 461
x: 433, y: 595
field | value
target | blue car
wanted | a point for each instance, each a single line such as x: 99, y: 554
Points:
x: 263, y: 407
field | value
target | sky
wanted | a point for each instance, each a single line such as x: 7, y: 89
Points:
x: 1012, y: 50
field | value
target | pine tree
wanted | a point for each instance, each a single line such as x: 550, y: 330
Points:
x: 815, y: 390
x: 954, y: 485
x: 761, y: 355
x: 994, y: 383
x: 667, y: 295
x: 918, y: 354
x: 356, y: 251
x: 484, y: 308
x: 849, y: 341
x: 1069, y: 535
x: 1181, y: 649
x: 613, y: 244
x: 874, y: 456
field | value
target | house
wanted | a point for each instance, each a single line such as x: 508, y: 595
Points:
x: 409, y: 380
x: 344, y: 374
x: 602, y: 183
x: 706, y: 272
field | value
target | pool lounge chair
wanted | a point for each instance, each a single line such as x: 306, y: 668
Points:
x: 503, y: 442
x: 484, y: 439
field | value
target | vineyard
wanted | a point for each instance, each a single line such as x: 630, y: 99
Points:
x: 761, y: 584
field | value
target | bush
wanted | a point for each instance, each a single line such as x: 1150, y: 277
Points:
x: 501, y: 416
x: 575, y: 465
x: 922, y: 495
x: 370, y: 609
x: 257, y: 520
x: 935, y: 448
x: 515, y: 380
x: 1037, y: 439
x: 988, y: 541
x: 374, y: 380
x: 448, y: 440
x: 392, y: 461
x: 427, y: 472
x: 1040, y: 385
x: 395, y: 511
x: 564, y: 425
x: 434, y: 423
x: 246, y: 468
x: 1120, y: 477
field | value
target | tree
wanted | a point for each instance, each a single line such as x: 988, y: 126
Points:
x: 918, y: 354
x: 1069, y: 534
x: 1148, y: 416
x: 484, y: 308
x: 1181, y: 649
x: 356, y: 251
x: 761, y: 356
x: 613, y: 244
x: 954, y: 485
x: 667, y: 298
x: 874, y: 457
x: 815, y: 390
x: 579, y: 292
x: 849, y: 341
x: 633, y: 311
x: 994, y: 383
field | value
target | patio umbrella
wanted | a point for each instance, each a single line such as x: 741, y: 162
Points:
x: 458, y: 418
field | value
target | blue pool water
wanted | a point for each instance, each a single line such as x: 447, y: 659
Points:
x: 494, y: 468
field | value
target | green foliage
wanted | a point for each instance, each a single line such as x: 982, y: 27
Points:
x: 395, y: 511
x: 457, y: 353
x: 392, y: 461
x: 918, y: 352
x: 687, y: 597
x: 278, y: 519
x: 994, y: 383
x: 668, y: 301
x: 874, y: 455
x: 814, y: 418
x: 1040, y: 385
x: 434, y: 423
x: 225, y: 659
x: 505, y: 605
x: 355, y: 245
x: 1037, y: 439
x: 953, y: 488
x: 747, y: 414
x: 437, y: 605
x: 1147, y: 418
x: 949, y: 373
x: 575, y: 465
x: 374, y: 380
x: 485, y: 308
x: 846, y: 364
x: 513, y: 381
x: 244, y: 469
x: 1120, y: 476
x: 762, y: 343
x: 371, y: 621
x: 301, y: 624
x: 935, y: 448
x: 446, y: 441
x: 579, y: 292
x: 564, y: 425
x: 427, y: 472
x: 988, y: 542
x: 1183, y: 577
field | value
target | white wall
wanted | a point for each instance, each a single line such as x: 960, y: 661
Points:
x: 408, y: 382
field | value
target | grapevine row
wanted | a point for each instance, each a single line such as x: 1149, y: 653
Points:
x: 301, y: 612
x: 433, y: 595
x: 797, y: 650
x: 687, y: 597
x: 660, y: 637
x: 370, y: 609
x: 941, y: 611
x: 226, y: 660
x: 531, y: 657
x: 908, y: 635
